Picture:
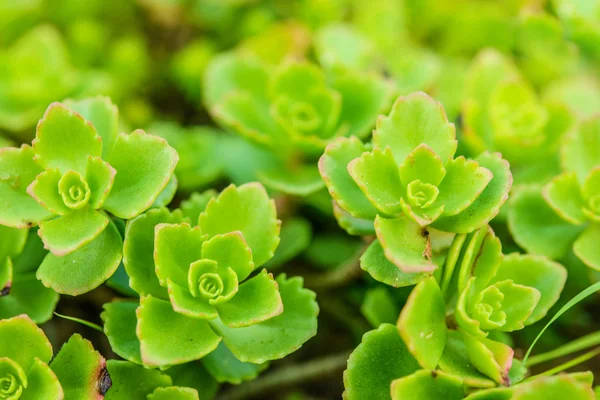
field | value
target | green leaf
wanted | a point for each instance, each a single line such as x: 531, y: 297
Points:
x: 123, y: 373
x: 586, y: 246
x: 103, y: 114
x: 518, y: 304
x: 546, y: 276
x: 455, y: 360
x: 80, y: 369
x: 383, y: 270
x: 425, y: 385
x: 64, y: 140
x: 22, y: 341
x: 94, y: 263
x: 354, y: 226
x: 376, y: 174
x: 64, y: 235
x: 225, y: 367
x: 100, y: 177
x: 333, y: 166
x: 138, y: 250
x: 405, y: 243
x: 379, y: 307
x: 14, y: 379
x: 185, y: 303
x: 491, y: 394
x: 144, y: 165
x: 13, y: 241
x: 44, y: 189
x: 280, y: 335
x: 301, y: 181
x: 380, y: 358
x: 422, y: 323
x: 120, y: 328
x: 563, y: 195
x: 296, y: 235
x: 17, y: 170
x: 549, y: 387
x: 536, y: 227
x: 230, y: 250
x: 494, y: 359
x: 167, y: 194
x: 416, y: 119
x: 174, y: 393
x: 176, y: 247
x: 488, y: 203
x: 28, y: 296
x: 580, y: 151
x: 193, y: 206
x: 194, y: 375
x: 464, y: 182
x: 257, y: 300
x: 424, y: 165
x: 42, y: 383
x: 169, y: 338
x: 249, y: 210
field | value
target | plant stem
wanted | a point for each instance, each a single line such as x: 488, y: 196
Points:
x: 571, y: 363
x: 593, y: 339
x: 288, y: 375
x: 346, y: 272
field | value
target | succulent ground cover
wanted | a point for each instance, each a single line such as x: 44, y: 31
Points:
x: 299, y: 200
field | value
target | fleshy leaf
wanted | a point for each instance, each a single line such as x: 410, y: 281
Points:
x: 100, y: 177
x: 354, y: 226
x: 256, y: 301
x: 383, y: 270
x: 169, y: 338
x: 230, y: 250
x: 196, y: 204
x: 563, y: 195
x: 333, y: 166
x: 416, y: 119
x: 42, y: 383
x: 580, y: 151
x: 64, y: 235
x: 405, y: 243
x: 296, y: 235
x: 280, y: 335
x: 376, y: 174
x: 185, y: 303
x: 586, y: 246
x: 424, y: 165
x: 194, y: 375
x: 176, y: 247
x: 138, y: 250
x: 64, y: 140
x: 103, y: 114
x: 426, y: 385
x: 249, y: 210
x: 494, y: 359
x: 123, y: 373
x: 518, y: 304
x: 119, y: 326
x: 488, y: 203
x: 225, y: 367
x: 22, y: 341
x: 380, y: 358
x: 379, y: 306
x: 28, y: 296
x: 45, y: 190
x: 301, y: 181
x: 80, y: 369
x: 17, y: 170
x: 144, y: 165
x: 94, y: 263
x: 422, y: 323
x: 174, y: 393
x: 553, y: 387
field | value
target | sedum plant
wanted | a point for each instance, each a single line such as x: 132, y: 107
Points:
x: 202, y: 297
x: 73, y: 173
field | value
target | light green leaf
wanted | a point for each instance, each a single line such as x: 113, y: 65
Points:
x: 64, y: 140
x: 42, y: 383
x: 166, y: 195
x: 494, y: 359
x: 422, y: 323
x: 580, y: 151
x: 169, y: 338
x: 144, y: 165
x: 80, y: 369
x: 424, y: 165
x: 301, y: 181
x: 280, y: 335
x: 553, y: 387
x: 296, y: 235
x: 586, y: 246
x: 380, y: 358
x: 17, y: 170
x: 176, y: 247
x: 333, y: 166
x: 123, y: 373
x: 379, y: 306
x: 64, y: 235
x: 563, y: 195
x: 230, y: 250
x: 138, y: 250
x: 225, y: 367
x: 22, y: 341
x: 85, y: 268
x: 518, y: 304
x: 249, y: 210
x: 405, y: 243
x: 354, y: 226
x: 256, y: 301
x: 193, y: 206
x: 100, y: 177
x: 383, y: 270
x: 194, y: 375
x: 44, y: 189
x: 174, y: 393
x: 416, y: 119
x: 28, y: 296
x: 185, y: 303
x: 376, y: 174
x: 120, y: 328
x: 426, y: 385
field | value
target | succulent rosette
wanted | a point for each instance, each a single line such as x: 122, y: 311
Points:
x: 77, y: 370
x: 75, y: 172
x: 294, y: 110
x: 409, y: 182
x: 569, y: 203
x: 483, y: 292
x: 21, y: 252
x: 200, y: 287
